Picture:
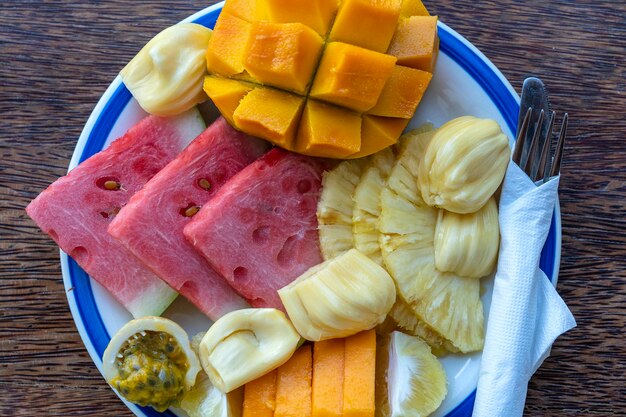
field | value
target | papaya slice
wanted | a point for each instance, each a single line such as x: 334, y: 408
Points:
x: 328, y: 367
x: 259, y: 396
x: 366, y: 23
x: 293, y: 386
x: 359, y: 375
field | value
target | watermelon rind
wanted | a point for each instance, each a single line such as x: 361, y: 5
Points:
x: 190, y: 125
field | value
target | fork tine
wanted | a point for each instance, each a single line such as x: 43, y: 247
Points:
x: 533, y: 145
x: 545, y: 151
x: 558, y: 154
x: 521, y: 137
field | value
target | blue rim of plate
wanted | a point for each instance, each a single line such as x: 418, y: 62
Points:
x: 102, y: 120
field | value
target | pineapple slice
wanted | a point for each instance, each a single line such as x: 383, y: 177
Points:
x: 404, y: 319
x: 449, y: 306
x: 367, y: 196
x: 401, y: 316
x: 334, y: 210
x: 410, y: 381
x: 407, y: 137
x: 366, y: 204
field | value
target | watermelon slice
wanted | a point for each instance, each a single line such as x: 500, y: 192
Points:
x: 77, y: 208
x: 260, y: 230
x: 151, y: 224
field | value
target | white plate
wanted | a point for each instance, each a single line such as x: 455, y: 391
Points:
x: 465, y: 83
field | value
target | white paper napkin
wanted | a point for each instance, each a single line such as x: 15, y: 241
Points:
x: 527, y: 314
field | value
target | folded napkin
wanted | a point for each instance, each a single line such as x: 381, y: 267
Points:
x: 527, y: 314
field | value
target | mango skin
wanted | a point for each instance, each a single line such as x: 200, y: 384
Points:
x: 226, y: 94
x: 378, y: 133
x: 316, y: 14
x: 283, y: 55
x: 402, y: 93
x: 415, y: 42
x: 328, y: 131
x: 369, y: 24
x: 351, y: 76
x: 270, y: 114
x: 227, y: 47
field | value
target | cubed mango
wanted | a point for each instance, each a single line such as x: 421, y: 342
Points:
x: 248, y: 10
x: 328, y: 368
x: 351, y: 76
x: 359, y: 375
x: 259, y: 396
x: 413, y: 8
x: 328, y: 131
x: 270, y: 114
x: 402, y: 93
x: 366, y: 23
x: 377, y: 133
x: 316, y: 14
x: 227, y: 47
x: 328, y: 78
x: 293, y: 385
x: 226, y: 94
x: 283, y: 54
x: 415, y: 42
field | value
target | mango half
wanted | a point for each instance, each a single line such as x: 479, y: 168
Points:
x: 328, y: 78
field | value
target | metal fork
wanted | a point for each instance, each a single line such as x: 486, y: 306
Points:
x: 548, y: 166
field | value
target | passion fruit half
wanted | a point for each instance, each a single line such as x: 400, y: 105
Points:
x: 150, y: 362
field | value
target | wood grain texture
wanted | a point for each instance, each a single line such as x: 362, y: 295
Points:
x: 57, y: 58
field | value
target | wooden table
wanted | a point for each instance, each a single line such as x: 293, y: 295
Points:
x: 57, y: 58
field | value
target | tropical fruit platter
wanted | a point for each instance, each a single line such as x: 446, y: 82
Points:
x: 338, y: 253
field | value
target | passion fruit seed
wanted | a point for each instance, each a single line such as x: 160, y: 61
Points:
x: 192, y: 211
x: 204, y: 184
x: 151, y: 368
x: 112, y: 185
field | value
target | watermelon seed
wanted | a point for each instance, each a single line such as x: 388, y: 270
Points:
x: 112, y: 185
x: 204, y: 184
x: 190, y: 211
